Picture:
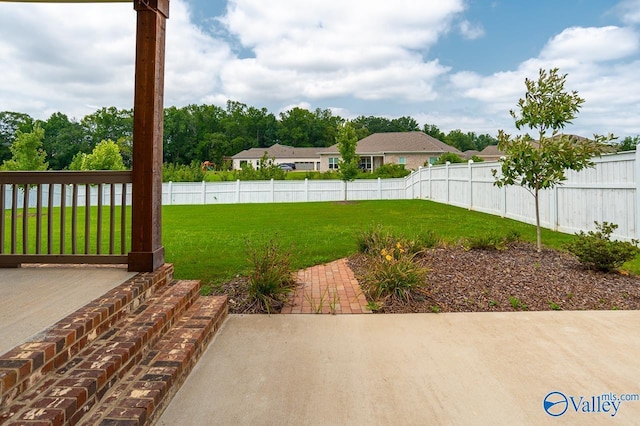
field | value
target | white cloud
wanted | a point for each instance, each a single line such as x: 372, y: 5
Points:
x: 630, y: 11
x: 329, y: 49
x: 600, y: 63
x: 592, y: 44
x: 74, y: 57
x: 471, y: 31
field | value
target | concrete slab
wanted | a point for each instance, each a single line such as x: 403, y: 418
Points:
x: 32, y: 299
x: 478, y: 368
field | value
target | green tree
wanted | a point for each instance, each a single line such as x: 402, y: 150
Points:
x: 63, y: 139
x: 105, y: 156
x: 433, y: 131
x: 10, y: 123
x: 27, y: 152
x: 347, y: 144
x: 451, y: 157
x: 541, y: 165
x: 628, y: 144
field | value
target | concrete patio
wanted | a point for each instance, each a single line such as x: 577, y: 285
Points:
x: 416, y: 369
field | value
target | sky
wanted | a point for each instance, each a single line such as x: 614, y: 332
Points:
x: 458, y: 64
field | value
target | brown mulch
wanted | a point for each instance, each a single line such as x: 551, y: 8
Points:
x: 518, y: 278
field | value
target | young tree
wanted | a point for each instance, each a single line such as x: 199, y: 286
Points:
x: 105, y: 156
x: 347, y: 143
x: 538, y: 165
x: 27, y: 152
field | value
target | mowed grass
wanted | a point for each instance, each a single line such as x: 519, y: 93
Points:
x: 208, y: 242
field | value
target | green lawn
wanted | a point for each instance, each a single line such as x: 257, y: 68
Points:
x: 207, y: 242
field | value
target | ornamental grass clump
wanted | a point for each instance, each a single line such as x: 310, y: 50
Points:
x: 394, y: 273
x: 271, y: 277
x: 596, y: 250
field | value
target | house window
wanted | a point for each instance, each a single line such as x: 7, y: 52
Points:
x: 432, y: 160
x: 365, y: 163
x: 333, y: 163
x: 402, y: 160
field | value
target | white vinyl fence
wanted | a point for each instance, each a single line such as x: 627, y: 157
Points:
x: 282, y: 191
x: 608, y: 192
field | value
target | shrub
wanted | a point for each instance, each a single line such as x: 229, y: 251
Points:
x: 271, y: 277
x: 390, y: 170
x: 451, y: 157
x: 375, y: 239
x: 490, y: 241
x: 182, y: 172
x: 596, y: 250
x: 394, y: 274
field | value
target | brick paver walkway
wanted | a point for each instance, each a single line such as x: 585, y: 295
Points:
x: 329, y: 289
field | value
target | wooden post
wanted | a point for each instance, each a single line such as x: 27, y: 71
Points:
x: 147, y: 252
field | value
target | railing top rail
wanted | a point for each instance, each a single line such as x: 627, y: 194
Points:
x: 66, y: 177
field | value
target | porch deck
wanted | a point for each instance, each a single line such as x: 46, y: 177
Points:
x: 34, y: 297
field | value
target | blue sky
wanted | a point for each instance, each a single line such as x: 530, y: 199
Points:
x: 452, y: 63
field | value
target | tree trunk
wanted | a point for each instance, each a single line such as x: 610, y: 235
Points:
x: 538, y: 237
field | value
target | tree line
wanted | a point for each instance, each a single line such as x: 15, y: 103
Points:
x: 203, y: 132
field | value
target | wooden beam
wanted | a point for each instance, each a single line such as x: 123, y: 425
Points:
x: 147, y: 252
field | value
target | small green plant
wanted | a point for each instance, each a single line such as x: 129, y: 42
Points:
x: 395, y: 274
x: 318, y: 305
x: 484, y: 242
x: 435, y: 309
x: 373, y: 240
x: 517, y: 304
x: 555, y: 306
x: 421, y: 241
x: 374, y: 306
x: 493, y: 303
x: 271, y: 277
x: 596, y: 250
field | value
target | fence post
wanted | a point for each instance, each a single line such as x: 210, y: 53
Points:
x: 306, y: 189
x: 503, y: 191
x: 273, y: 191
x: 470, y: 197
x: 204, y: 193
x: 553, y: 204
x: 238, y: 191
x: 430, y: 193
x: 446, y: 166
x: 169, y: 194
x: 420, y: 182
x: 636, y: 167
x: 379, y: 189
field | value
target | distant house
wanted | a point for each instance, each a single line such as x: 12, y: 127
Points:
x: 413, y: 149
x: 301, y: 158
x: 490, y: 153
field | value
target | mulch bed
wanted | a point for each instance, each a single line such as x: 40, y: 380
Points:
x: 518, y: 278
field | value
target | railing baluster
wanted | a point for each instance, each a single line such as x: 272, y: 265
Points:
x: 50, y: 219
x: 14, y: 217
x: 99, y: 219
x: 74, y: 219
x: 18, y: 244
x: 63, y: 216
x: 123, y: 220
x: 2, y: 218
x: 87, y: 217
x: 25, y: 220
x: 112, y: 219
x: 38, y: 218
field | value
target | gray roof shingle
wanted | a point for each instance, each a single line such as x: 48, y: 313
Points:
x: 397, y: 142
